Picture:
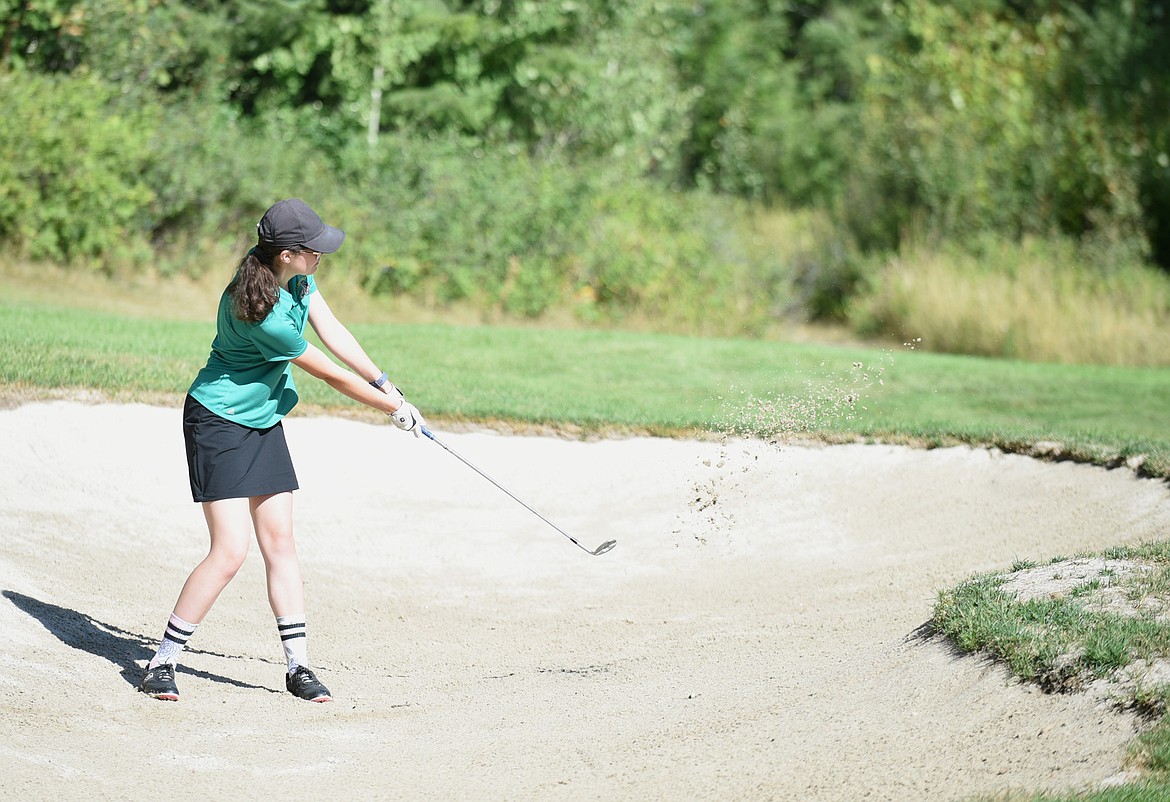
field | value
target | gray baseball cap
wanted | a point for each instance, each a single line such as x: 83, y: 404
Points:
x: 289, y: 223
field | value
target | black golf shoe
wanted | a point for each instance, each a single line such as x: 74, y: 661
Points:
x: 303, y: 684
x: 159, y: 682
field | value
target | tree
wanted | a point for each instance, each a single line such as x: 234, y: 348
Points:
x: 779, y: 87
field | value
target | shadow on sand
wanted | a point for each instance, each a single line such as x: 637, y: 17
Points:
x: 130, y: 651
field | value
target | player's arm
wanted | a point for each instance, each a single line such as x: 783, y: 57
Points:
x: 338, y: 339
x: 405, y: 415
x: 317, y: 363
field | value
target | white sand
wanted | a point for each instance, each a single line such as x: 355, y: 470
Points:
x: 761, y: 647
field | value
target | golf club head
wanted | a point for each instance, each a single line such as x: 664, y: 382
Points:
x: 604, y: 547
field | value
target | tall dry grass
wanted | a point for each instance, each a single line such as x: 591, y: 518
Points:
x: 1037, y: 301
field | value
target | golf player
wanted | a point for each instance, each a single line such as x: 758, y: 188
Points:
x: 237, y: 458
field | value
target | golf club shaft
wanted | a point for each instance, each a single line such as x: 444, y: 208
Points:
x: 430, y: 436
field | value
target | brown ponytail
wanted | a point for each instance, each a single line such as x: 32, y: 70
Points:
x: 254, y: 289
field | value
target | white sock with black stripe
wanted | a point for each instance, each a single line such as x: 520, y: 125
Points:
x: 292, y: 637
x: 175, y: 638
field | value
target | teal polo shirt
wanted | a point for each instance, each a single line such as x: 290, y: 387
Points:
x: 248, y: 378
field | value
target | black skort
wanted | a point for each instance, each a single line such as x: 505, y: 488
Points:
x: 227, y: 460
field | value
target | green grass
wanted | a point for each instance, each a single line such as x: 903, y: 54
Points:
x: 1149, y: 791
x: 1064, y: 642
x: 1031, y: 636
x: 596, y: 380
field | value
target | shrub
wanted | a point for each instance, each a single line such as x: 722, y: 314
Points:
x: 71, y: 177
x: 456, y: 220
x: 212, y: 176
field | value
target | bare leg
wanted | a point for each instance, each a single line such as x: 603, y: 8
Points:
x: 272, y: 519
x: 228, y: 525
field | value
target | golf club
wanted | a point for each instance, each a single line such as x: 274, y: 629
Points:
x: 602, y: 549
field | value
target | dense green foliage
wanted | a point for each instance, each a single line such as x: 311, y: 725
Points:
x: 1019, y: 119
x: 592, y: 155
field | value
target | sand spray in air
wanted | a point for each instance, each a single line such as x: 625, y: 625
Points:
x: 750, y: 428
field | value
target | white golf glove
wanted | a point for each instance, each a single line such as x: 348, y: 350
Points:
x: 408, y: 418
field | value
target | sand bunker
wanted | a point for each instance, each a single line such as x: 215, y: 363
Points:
x: 752, y: 636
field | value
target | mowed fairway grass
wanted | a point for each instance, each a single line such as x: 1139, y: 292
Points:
x: 603, y: 381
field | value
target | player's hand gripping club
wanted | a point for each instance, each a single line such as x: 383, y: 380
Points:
x: 408, y: 418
